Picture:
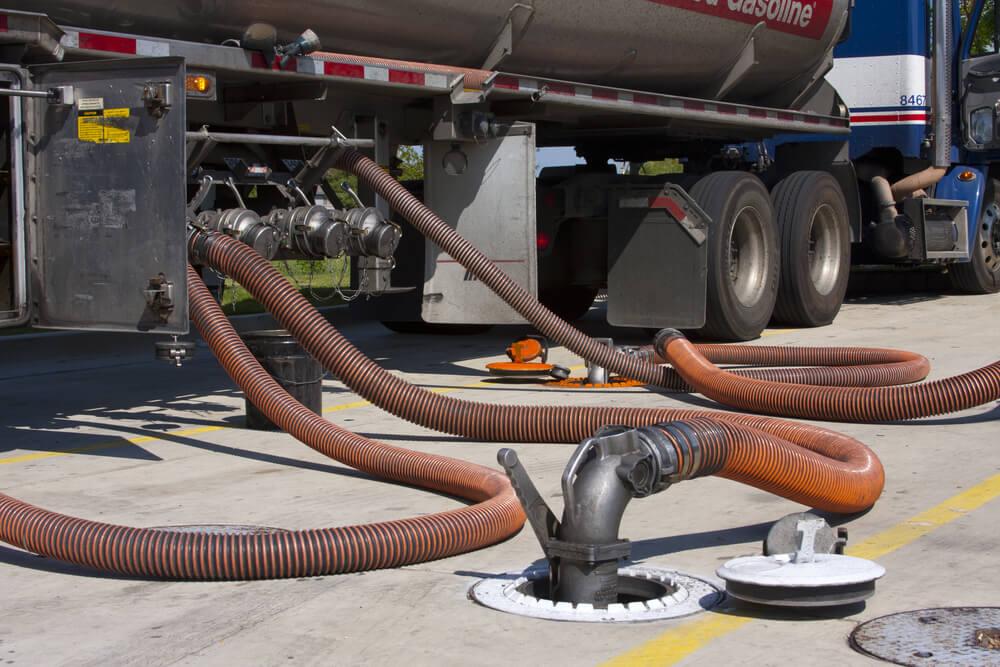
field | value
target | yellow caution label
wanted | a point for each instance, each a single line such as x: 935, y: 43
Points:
x: 104, y: 126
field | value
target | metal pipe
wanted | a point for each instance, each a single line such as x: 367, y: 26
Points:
x: 276, y: 139
x: 942, y: 64
x: 17, y: 92
x: 19, y: 225
x: 886, y: 200
x: 921, y: 180
x: 595, y: 499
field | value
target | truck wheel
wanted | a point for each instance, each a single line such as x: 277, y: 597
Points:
x: 570, y: 302
x: 743, y: 255
x: 812, y: 218
x: 981, y: 274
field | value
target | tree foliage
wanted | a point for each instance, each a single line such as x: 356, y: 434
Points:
x: 410, y: 162
x: 660, y: 167
x: 984, y: 39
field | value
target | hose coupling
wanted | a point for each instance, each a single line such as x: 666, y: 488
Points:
x: 664, y: 336
x: 310, y: 231
x: 372, y: 235
x: 198, y: 241
x: 243, y: 225
x: 679, y: 448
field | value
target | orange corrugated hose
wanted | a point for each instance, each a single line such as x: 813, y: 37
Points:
x: 804, y: 463
x: 830, y: 403
x: 172, y: 554
x: 789, y: 396
x: 801, y: 462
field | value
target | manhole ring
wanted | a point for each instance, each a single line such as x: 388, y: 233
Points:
x: 684, y: 595
x: 942, y: 636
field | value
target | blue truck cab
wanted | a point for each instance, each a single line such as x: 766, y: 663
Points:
x: 924, y: 157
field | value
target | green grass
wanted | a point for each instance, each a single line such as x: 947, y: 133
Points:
x: 660, y: 167
x: 315, y: 281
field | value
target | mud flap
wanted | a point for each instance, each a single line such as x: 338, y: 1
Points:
x: 657, y: 258
x: 487, y: 192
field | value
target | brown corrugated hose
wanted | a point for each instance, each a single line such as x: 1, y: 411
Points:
x: 175, y: 554
x: 864, y: 399
x: 801, y: 462
x: 479, y: 265
x: 824, y: 366
x: 830, y: 403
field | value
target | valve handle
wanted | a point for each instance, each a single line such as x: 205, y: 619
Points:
x: 540, y: 516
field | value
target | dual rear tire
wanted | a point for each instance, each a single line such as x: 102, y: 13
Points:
x: 785, y: 254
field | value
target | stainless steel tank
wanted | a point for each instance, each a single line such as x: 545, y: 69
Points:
x: 674, y: 46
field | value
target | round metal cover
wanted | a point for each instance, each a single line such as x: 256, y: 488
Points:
x: 827, y: 580
x: 943, y: 636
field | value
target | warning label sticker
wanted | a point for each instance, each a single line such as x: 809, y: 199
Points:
x: 105, y: 126
x: 90, y: 103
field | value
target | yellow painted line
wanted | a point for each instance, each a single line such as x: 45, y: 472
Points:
x: 684, y: 640
x: 674, y: 645
x: 346, y: 406
x: 776, y: 332
x: 138, y: 440
x: 954, y: 508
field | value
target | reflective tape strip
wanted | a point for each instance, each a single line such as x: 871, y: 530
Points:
x: 869, y: 118
x: 506, y: 82
x: 124, y: 44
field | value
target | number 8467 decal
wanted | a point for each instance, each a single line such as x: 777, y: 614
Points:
x: 912, y: 100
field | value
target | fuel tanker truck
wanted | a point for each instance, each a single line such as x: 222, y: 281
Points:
x: 812, y: 134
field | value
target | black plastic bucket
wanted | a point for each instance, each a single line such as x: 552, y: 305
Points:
x: 291, y: 367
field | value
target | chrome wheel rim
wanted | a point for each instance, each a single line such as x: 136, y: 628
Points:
x: 990, y: 238
x: 824, y: 250
x: 747, y: 257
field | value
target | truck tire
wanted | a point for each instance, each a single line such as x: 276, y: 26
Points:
x: 813, y: 223
x: 570, y: 302
x: 981, y: 274
x: 743, y: 255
